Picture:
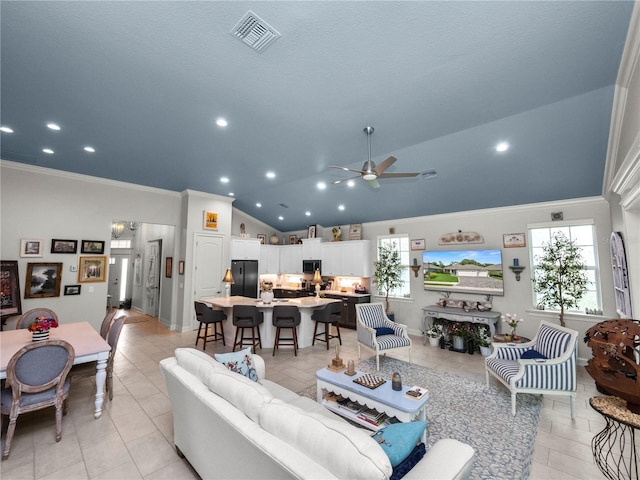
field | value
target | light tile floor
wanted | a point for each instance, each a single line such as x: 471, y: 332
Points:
x: 133, y: 438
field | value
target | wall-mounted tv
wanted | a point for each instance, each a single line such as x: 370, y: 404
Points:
x: 468, y: 271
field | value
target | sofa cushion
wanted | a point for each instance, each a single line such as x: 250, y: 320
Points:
x: 239, y: 362
x: 248, y: 396
x: 346, y: 451
x: 198, y: 363
x: 399, y: 439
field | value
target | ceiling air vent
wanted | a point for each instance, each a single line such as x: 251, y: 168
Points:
x: 255, y: 32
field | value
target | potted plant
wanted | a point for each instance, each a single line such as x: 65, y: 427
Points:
x: 40, y: 327
x: 483, y: 340
x: 458, y: 332
x: 434, y: 334
x: 560, y: 275
x: 387, y: 274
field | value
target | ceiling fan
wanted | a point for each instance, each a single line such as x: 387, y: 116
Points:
x: 370, y: 171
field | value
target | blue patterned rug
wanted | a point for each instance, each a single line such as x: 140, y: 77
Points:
x: 473, y: 413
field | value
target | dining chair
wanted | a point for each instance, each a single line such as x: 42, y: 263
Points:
x: 107, y: 321
x: 36, y: 379
x: 28, y: 317
x: 85, y: 370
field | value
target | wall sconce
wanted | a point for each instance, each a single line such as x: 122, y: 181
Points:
x: 516, y: 269
x: 228, y: 281
x: 415, y: 267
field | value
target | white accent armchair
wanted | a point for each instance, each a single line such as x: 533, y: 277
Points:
x: 377, y: 332
x: 547, y: 364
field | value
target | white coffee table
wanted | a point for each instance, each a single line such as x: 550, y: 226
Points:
x: 383, y: 398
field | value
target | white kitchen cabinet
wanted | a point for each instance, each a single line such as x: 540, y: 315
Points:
x: 331, y: 259
x: 347, y: 259
x: 291, y: 259
x: 245, y: 249
x: 312, y: 248
x: 269, y: 259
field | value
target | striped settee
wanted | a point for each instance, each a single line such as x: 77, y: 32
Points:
x: 555, y: 374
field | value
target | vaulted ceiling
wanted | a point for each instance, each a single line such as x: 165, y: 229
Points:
x: 442, y: 83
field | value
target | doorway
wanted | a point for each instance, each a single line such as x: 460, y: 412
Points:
x: 152, y: 284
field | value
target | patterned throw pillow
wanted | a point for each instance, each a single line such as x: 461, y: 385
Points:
x: 384, y: 331
x: 399, y: 439
x: 532, y: 354
x: 240, y: 362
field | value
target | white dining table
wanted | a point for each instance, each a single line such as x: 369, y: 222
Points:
x: 89, y: 346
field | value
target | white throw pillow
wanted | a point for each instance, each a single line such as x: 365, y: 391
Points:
x: 198, y: 363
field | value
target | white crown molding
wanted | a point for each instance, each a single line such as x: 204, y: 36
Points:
x: 83, y: 178
x: 208, y: 196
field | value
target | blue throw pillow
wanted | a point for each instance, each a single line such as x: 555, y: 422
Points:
x: 532, y: 354
x: 240, y: 362
x: 399, y: 439
x: 408, y: 463
x: 384, y: 331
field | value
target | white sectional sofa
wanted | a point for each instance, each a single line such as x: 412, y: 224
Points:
x: 228, y: 426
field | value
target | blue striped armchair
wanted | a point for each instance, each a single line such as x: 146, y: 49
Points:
x: 377, y: 332
x: 547, y: 364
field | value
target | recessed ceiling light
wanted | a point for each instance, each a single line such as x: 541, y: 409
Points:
x: 224, y: 179
x: 502, y: 147
x: 340, y: 207
x: 231, y: 194
x: 258, y: 205
x: 5, y: 129
x: 47, y: 150
x: 280, y: 217
x: 221, y: 122
x: 89, y: 149
x: 271, y: 175
x: 350, y: 183
x: 307, y: 213
x: 321, y: 185
x: 53, y: 126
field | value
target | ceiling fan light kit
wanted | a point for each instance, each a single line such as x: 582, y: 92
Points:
x: 371, y: 172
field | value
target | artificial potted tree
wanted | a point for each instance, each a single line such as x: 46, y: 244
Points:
x: 387, y: 274
x: 560, y: 275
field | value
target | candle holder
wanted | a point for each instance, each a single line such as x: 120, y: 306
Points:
x: 517, y: 270
x: 416, y: 269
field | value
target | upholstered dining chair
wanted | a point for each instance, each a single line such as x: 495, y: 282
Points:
x: 36, y: 379
x: 85, y: 370
x: 328, y: 316
x: 286, y: 317
x: 247, y: 317
x: 208, y: 316
x: 28, y: 317
x: 107, y: 321
x: 377, y: 332
x: 546, y: 364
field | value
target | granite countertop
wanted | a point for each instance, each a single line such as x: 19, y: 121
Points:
x: 302, y: 302
x: 345, y: 294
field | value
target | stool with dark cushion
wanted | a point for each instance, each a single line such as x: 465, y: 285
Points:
x: 286, y: 316
x: 208, y: 316
x: 244, y: 317
x: 329, y: 315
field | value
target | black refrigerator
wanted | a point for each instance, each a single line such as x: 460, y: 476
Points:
x: 245, y: 276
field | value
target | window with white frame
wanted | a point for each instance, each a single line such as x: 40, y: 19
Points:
x: 399, y: 242
x: 121, y: 243
x: 584, y: 235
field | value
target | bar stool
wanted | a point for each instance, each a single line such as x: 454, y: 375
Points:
x: 244, y: 317
x: 208, y: 316
x: 286, y: 316
x: 329, y: 315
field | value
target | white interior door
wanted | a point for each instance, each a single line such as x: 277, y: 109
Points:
x: 115, y: 277
x: 152, y: 274
x: 207, y: 268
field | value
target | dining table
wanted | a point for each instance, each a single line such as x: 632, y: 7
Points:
x: 87, y: 343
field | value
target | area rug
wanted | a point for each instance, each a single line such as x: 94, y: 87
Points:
x: 136, y: 319
x: 473, y: 413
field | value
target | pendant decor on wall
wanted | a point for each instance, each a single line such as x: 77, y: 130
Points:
x: 460, y: 237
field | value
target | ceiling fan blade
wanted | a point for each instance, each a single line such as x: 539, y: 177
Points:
x: 336, y: 182
x: 398, y: 175
x: 347, y: 169
x: 384, y: 165
x: 373, y: 183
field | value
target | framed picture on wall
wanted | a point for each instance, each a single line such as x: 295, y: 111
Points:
x: 92, y: 269
x: 181, y: 267
x: 31, y: 247
x: 312, y: 231
x: 210, y: 220
x: 43, y: 280
x: 511, y: 240
x: 94, y: 247
x: 418, y: 244
x: 168, y: 267
x: 64, y: 246
x: 72, y: 289
x: 10, y: 287
x: 263, y: 238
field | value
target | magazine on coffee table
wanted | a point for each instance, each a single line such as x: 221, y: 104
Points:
x: 416, y: 393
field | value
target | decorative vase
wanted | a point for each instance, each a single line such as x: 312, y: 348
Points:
x: 396, y: 381
x: 38, y: 336
x: 274, y: 239
x: 266, y: 297
x: 434, y: 341
x: 471, y: 346
x: 442, y: 342
x: 485, y: 351
x: 458, y: 342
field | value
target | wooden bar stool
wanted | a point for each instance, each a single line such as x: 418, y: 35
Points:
x: 286, y: 316
x: 329, y: 315
x: 208, y: 316
x: 245, y: 317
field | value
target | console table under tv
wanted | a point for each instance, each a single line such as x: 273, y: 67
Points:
x: 489, y: 318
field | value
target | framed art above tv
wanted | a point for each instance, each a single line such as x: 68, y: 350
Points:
x: 467, y: 271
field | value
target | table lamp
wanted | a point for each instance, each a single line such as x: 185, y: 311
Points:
x: 228, y: 280
x: 317, y: 280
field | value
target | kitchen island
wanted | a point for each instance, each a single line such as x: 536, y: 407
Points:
x: 306, y: 305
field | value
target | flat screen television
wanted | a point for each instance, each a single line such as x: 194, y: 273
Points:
x: 468, y: 271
